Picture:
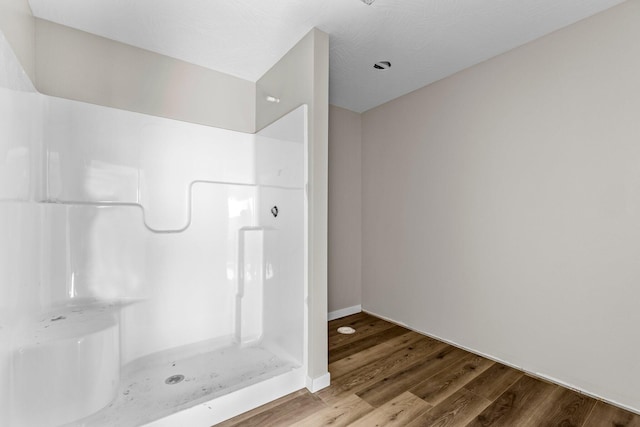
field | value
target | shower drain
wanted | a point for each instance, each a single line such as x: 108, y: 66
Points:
x: 174, y: 379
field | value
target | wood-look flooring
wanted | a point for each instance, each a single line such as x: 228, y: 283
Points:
x: 386, y: 375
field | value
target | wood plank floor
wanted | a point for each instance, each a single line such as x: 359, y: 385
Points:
x: 386, y: 375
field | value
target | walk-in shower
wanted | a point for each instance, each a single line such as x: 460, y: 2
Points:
x: 151, y: 271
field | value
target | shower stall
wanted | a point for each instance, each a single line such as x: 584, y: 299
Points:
x: 152, y: 272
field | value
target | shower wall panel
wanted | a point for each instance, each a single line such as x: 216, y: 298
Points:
x: 19, y: 220
x: 280, y: 169
x: 120, y: 239
x: 18, y: 178
x: 192, y: 275
x: 155, y: 206
x: 285, y: 270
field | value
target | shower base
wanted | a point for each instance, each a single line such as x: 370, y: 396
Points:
x: 166, y: 383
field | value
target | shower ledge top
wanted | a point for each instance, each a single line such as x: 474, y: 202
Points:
x: 72, y: 321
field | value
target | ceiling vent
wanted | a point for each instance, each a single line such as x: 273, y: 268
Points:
x: 382, y: 65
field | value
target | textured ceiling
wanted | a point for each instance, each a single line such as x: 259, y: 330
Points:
x: 425, y: 40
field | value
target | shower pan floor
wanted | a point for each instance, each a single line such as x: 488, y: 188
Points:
x: 162, y: 384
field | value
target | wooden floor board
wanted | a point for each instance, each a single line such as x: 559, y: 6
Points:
x: 369, y: 355
x: 398, y: 360
x: 390, y: 386
x: 287, y: 413
x: 342, y: 413
x: 346, y: 321
x: 364, y: 327
x: 364, y: 343
x: 494, y: 381
x: 456, y: 410
x: 334, y: 393
x: 276, y: 403
x: 398, y: 412
x: 516, y: 405
x: 604, y: 415
x: 442, y: 385
x: 386, y: 375
x: 563, y: 407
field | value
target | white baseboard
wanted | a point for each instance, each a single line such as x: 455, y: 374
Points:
x: 317, y: 384
x: 344, y: 312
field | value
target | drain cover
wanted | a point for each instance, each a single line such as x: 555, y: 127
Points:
x: 346, y: 330
x: 174, y: 379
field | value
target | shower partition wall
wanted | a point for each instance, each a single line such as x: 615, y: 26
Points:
x: 151, y: 271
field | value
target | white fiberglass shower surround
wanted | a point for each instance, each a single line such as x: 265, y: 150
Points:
x: 151, y: 271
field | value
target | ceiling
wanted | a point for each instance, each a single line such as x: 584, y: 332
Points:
x: 425, y: 40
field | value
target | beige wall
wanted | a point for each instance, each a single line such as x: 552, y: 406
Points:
x: 72, y: 64
x: 302, y: 77
x: 17, y: 24
x: 501, y: 207
x: 77, y: 65
x: 345, y: 209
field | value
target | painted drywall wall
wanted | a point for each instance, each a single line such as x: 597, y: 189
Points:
x: 302, y: 77
x: 501, y: 207
x: 77, y: 65
x: 18, y: 26
x: 345, y: 209
x: 72, y: 64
